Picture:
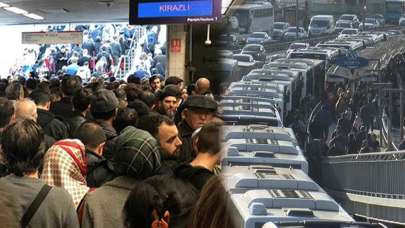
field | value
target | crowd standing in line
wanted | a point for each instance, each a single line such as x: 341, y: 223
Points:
x: 110, y: 153
x: 355, y: 114
x: 103, y: 47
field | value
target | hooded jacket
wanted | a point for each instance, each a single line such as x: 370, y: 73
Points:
x: 51, y: 125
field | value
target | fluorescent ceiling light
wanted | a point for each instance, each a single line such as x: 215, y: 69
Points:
x: 16, y: 10
x: 2, y: 5
x: 34, y: 16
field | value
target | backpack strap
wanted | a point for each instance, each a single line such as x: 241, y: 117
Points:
x: 25, y: 220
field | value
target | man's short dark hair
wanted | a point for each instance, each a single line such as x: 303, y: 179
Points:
x: 40, y: 97
x: 22, y: 145
x: 125, y: 117
x: 133, y: 92
x: 141, y: 108
x: 91, y: 134
x: 81, y: 100
x: 133, y: 79
x: 156, y: 76
x: 44, y: 86
x: 152, y: 122
x: 15, y: 91
x: 70, y: 85
x: 173, y: 80
x: 3, y: 86
x: 54, y: 83
x: 159, y: 193
x: 104, y: 115
x: 31, y: 83
x: 209, y: 138
x: 149, y: 98
x: 6, y: 111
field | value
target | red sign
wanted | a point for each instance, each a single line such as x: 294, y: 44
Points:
x: 175, y: 45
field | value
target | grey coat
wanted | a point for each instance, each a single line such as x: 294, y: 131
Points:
x: 103, y: 208
x: 56, y: 211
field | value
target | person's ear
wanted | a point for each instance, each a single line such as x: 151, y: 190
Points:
x: 100, y: 149
x: 48, y: 105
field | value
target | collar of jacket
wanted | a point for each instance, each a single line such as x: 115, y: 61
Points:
x: 109, y: 131
x: 185, y: 129
x: 123, y: 182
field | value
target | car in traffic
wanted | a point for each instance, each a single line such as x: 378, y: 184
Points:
x: 292, y: 33
x: 279, y: 28
x: 259, y: 38
x: 374, y: 36
x: 257, y: 51
x: 245, y: 62
x: 351, y: 17
x: 343, y: 24
x: 348, y: 32
x: 394, y: 33
x: 297, y: 46
x: 379, y: 17
x: 370, y: 24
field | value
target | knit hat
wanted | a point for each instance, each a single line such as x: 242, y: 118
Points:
x: 104, y: 101
x: 136, y: 154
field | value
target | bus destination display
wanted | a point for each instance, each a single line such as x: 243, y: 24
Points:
x: 174, y: 11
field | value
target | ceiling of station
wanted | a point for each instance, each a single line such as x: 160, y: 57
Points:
x: 66, y: 11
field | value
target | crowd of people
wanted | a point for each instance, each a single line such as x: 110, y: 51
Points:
x: 110, y: 154
x: 99, y: 55
x: 355, y: 113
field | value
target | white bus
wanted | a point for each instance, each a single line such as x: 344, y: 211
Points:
x: 248, y: 18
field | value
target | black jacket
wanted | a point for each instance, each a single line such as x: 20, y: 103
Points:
x: 186, y: 153
x: 74, y: 122
x: 197, y: 176
x: 168, y: 167
x: 52, y: 126
x: 111, y: 135
x: 63, y: 108
x: 99, y: 170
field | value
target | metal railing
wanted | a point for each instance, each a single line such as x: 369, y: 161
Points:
x: 127, y: 62
x: 368, y: 185
x: 380, y: 173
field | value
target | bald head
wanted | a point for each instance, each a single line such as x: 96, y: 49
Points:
x: 202, y: 86
x: 26, y: 109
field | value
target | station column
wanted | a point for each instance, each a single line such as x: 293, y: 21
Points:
x: 176, y: 50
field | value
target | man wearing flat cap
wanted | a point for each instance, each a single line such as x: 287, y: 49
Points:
x: 198, y: 111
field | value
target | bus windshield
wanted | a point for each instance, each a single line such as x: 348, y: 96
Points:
x: 320, y: 23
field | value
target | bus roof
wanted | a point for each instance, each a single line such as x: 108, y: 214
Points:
x: 394, y: 0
